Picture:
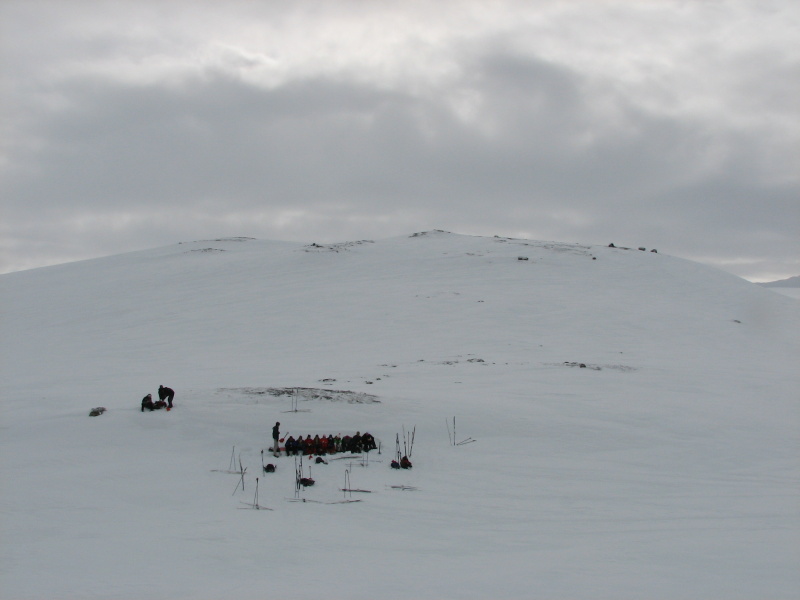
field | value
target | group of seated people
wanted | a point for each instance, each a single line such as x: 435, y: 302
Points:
x: 330, y: 444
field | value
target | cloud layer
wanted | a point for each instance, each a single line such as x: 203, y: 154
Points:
x: 660, y: 123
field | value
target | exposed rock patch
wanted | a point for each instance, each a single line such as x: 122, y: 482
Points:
x: 304, y: 393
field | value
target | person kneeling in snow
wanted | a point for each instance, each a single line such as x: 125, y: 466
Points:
x: 368, y: 442
x: 405, y: 463
x: 147, y: 402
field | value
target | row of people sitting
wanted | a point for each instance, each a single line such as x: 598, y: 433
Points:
x: 330, y: 444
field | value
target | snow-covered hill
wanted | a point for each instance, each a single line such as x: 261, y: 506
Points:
x: 665, y: 467
x: 788, y: 287
x: 789, y: 282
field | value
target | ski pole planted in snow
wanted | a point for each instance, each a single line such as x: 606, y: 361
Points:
x: 241, y: 481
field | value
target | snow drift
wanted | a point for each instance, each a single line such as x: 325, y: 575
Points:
x: 636, y: 418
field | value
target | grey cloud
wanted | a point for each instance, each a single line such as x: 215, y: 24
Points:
x: 541, y: 153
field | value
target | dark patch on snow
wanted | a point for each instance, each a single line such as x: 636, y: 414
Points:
x: 343, y: 246
x: 229, y: 239
x: 205, y: 250
x: 593, y: 367
x: 427, y: 233
x: 303, y: 393
x: 640, y: 248
x: 582, y: 366
x: 455, y: 362
x: 551, y: 246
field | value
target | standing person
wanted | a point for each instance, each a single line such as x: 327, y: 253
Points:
x: 276, y: 449
x: 165, y: 393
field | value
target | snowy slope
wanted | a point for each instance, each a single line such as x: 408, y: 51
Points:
x: 667, y: 468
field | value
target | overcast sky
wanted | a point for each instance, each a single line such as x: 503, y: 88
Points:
x: 672, y: 124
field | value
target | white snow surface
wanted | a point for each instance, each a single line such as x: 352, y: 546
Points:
x: 669, y: 467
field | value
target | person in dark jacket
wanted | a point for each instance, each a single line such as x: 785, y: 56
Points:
x: 368, y: 442
x: 147, y: 402
x: 291, y: 446
x: 165, y: 393
x: 276, y: 447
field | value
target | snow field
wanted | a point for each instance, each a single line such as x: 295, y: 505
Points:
x: 667, y: 468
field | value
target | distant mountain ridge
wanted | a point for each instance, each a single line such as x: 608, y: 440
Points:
x: 791, y: 282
